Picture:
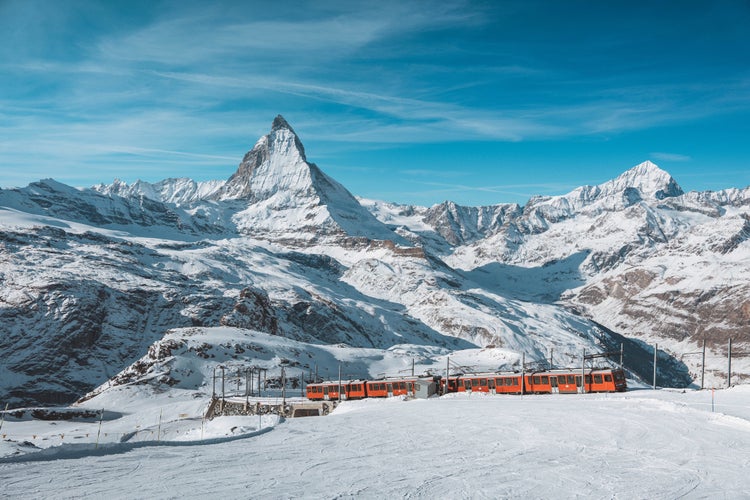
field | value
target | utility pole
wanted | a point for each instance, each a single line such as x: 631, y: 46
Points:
x: 222, y: 389
x: 213, y: 391
x: 622, y: 351
x: 447, y: 370
x: 583, y: 372
x: 703, y: 363
x: 339, y: 381
x: 412, y: 367
x: 729, y: 369
x: 523, y: 373
x: 247, y: 388
x: 283, y: 387
x: 656, y: 349
x: 550, y: 358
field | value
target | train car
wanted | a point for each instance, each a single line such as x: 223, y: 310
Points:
x: 606, y: 381
x: 349, y: 389
x: 390, y: 387
x: 570, y: 381
x: 543, y: 382
x: 539, y: 383
x: 480, y: 382
x: 508, y: 383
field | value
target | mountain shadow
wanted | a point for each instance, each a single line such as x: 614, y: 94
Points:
x: 544, y: 284
x: 638, y: 358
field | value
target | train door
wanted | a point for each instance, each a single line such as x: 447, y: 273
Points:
x: 390, y: 389
x: 325, y: 393
x: 553, y: 384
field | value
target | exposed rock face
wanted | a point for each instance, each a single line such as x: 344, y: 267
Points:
x: 253, y: 311
x: 75, y: 307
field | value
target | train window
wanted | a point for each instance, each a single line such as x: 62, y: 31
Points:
x: 578, y: 380
x: 403, y: 385
x: 537, y: 379
x: 571, y: 379
x: 491, y: 383
x: 607, y: 377
x: 597, y: 379
x: 467, y: 384
x: 483, y: 382
x: 545, y: 380
x: 475, y: 382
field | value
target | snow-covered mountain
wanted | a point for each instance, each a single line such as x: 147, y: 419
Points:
x: 635, y: 254
x: 182, y: 191
x: 94, y: 278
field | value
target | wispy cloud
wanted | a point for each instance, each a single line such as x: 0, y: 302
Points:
x: 670, y: 157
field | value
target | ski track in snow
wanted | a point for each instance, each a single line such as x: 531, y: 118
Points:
x: 641, y: 444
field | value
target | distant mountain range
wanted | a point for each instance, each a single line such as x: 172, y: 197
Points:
x: 93, y: 279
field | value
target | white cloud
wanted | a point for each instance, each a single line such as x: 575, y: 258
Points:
x: 670, y: 157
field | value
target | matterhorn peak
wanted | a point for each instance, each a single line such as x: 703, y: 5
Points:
x: 276, y: 163
x: 287, y: 194
x: 279, y: 123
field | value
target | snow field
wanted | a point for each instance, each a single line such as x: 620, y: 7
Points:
x: 640, y: 444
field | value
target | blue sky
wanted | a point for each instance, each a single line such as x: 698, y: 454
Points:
x: 412, y: 102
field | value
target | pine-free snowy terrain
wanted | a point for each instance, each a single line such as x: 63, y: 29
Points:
x: 640, y: 444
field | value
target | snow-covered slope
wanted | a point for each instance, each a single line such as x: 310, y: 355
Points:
x: 640, y: 444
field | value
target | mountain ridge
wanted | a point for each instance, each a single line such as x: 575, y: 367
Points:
x: 94, y: 277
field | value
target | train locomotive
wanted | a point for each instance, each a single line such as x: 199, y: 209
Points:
x: 543, y: 382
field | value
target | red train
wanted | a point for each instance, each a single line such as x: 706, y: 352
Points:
x: 359, y: 389
x: 547, y: 382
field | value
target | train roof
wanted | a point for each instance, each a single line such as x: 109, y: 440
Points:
x: 556, y: 371
x: 336, y: 382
